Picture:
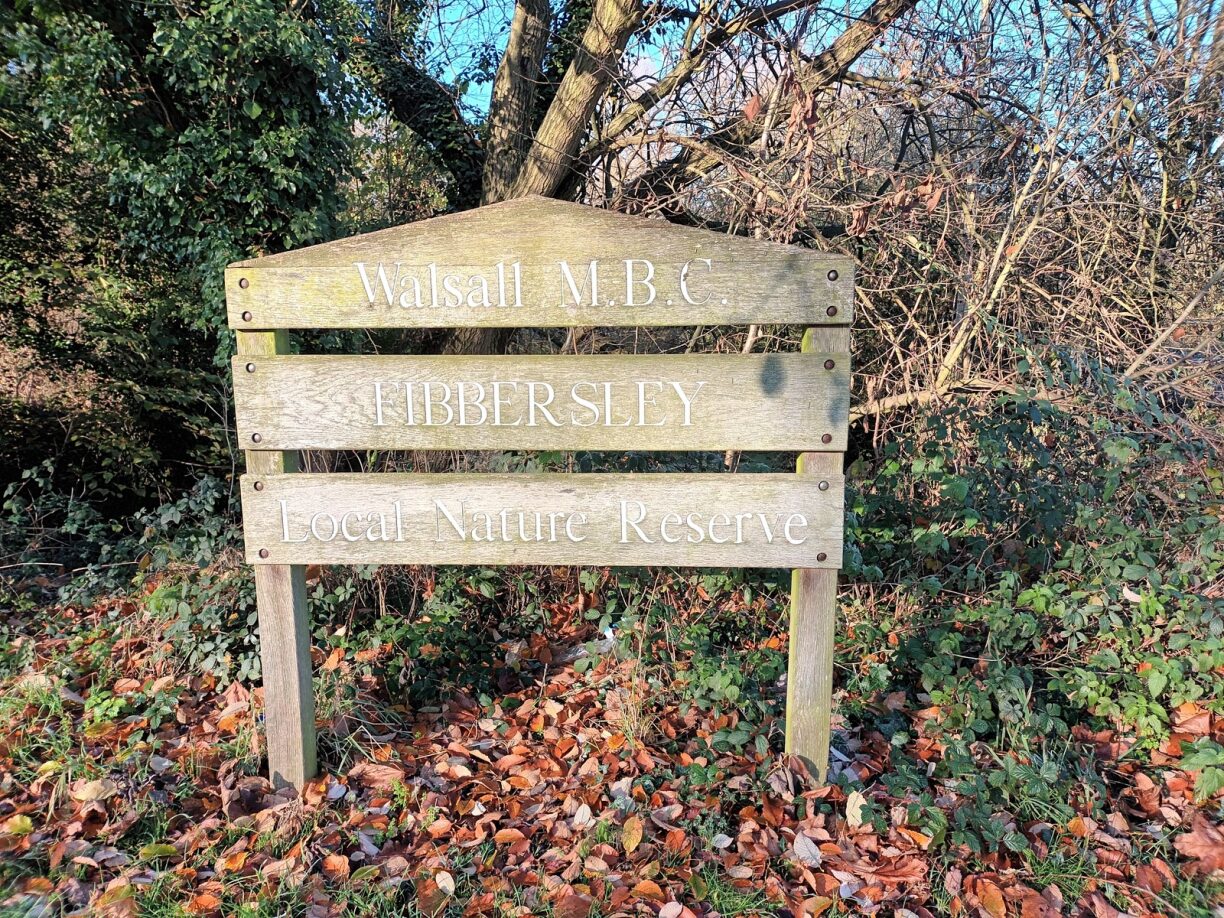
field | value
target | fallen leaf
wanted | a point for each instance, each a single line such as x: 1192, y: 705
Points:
x: 204, y: 904
x: 855, y: 803
x: 377, y: 777
x: 572, y: 905
x: 100, y: 789
x: 336, y: 867
x: 1203, y: 844
x: 156, y: 851
x: 430, y: 899
x: 1033, y: 904
x: 991, y: 897
x: 631, y: 834
x: 807, y: 851
x: 817, y: 905
x: 19, y: 825
x: 649, y: 889
x: 1100, y: 906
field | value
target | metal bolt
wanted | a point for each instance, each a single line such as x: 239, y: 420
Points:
x: 821, y: 556
x: 259, y: 486
x: 823, y: 486
x: 831, y: 311
x: 829, y: 364
x: 833, y: 275
x: 263, y: 553
x: 256, y: 438
x: 824, y: 438
x: 244, y: 283
x: 250, y: 368
x: 246, y: 317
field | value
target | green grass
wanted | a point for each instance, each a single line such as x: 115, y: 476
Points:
x: 49, y: 744
x: 1069, y: 871
x: 167, y: 897
x: 727, y: 899
x: 1192, y: 899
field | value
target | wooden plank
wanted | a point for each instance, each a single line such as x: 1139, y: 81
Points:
x: 539, y: 262
x: 813, y: 613
x: 699, y: 520
x: 284, y: 624
x: 616, y: 402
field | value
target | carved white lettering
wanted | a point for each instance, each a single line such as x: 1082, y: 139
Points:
x: 644, y: 403
x: 388, y: 284
x: 625, y: 522
x: 534, y: 403
x: 591, y: 283
x: 687, y: 401
x: 505, y: 525
x: 684, y: 288
x: 631, y: 281
x: 798, y: 519
x: 465, y: 403
x: 285, y: 524
x: 444, y: 402
x: 314, y: 526
x: 498, y: 404
x: 500, y: 285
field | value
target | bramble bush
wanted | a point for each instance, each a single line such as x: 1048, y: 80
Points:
x: 1046, y: 564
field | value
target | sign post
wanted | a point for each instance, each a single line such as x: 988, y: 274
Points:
x: 544, y: 263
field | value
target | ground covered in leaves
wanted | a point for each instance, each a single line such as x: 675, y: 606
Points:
x: 131, y: 787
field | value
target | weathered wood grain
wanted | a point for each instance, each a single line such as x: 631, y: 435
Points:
x: 682, y: 402
x: 549, y: 519
x: 284, y: 624
x: 743, y: 281
x: 813, y: 613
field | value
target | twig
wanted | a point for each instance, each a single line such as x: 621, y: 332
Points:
x: 1185, y: 314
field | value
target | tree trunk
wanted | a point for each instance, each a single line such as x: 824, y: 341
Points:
x: 513, y: 101
x: 556, y: 142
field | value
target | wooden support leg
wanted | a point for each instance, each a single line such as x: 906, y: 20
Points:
x: 284, y: 649
x: 813, y: 626
x: 813, y: 615
x: 284, y: 625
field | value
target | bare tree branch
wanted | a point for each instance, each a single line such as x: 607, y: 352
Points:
x: 689, y: 63
x: 823, y: 71
x: 421, y: 103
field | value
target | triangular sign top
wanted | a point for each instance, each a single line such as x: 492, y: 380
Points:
x: 539, y: 262
x: 522, y: 228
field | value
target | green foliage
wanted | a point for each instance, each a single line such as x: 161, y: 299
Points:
x: 146, y: 147
x: 219, y: 130
x: 1047, y: 568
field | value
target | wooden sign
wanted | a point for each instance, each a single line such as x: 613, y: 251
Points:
x: 621, y: 402
x: 693, y: 520
x: 544, y: 264
x: 537, y: 262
